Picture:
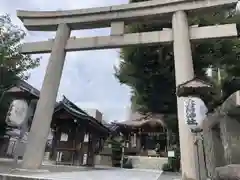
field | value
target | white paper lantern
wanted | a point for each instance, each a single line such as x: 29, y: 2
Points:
x: 17, y: 113
x: 195, y: 112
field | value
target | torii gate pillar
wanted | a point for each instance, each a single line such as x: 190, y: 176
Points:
x: 40, y: 129
x: 183, y: 72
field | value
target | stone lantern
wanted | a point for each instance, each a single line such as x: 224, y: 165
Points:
x: 196, y: 94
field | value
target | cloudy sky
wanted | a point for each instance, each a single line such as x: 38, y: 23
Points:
x: 88, y: 77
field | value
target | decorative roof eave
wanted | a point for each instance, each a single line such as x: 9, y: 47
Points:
x: 141, y: 123
x: 78, y: 113
x: 112, y: 126
x: 23, y: 87
x: 196, y: 82
x: 150, y: 119
x: 198, y: 88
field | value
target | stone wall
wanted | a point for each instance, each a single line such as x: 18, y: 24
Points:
x: 213, y: 142
x: 104, y: 160
x: 144, y: 162
x: 232, y: 127
x: 221, y: 133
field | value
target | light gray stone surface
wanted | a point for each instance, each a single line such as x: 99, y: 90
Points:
x: 10, y: 177
x: 170, y: 176
x: 145, y: 38
x: 117, y: 28
x: 222, y: 144
x: 230, y: 172
x: 77, y: 172
x: 102, y: 17
x: 40, y: 128
x: 183, y: 72
x: 104, y: 174
x: 142, y: 162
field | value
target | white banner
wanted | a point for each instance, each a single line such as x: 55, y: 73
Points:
x: 194, y: 112
x: 17, y: 113
x: 64, y: 137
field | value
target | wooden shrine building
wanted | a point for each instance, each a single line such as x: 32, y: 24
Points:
x: 77, y: 136
x: 144, y: 135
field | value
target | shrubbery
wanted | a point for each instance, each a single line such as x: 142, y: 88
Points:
x: 174, y: 163
x: 127, y: 163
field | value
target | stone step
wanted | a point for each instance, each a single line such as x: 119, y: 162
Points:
x: 144, y: 162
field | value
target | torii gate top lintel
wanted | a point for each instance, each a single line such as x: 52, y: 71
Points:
x: 103, y: 16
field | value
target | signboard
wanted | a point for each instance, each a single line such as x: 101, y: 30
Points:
x: 194, y: 112
x: 171, y: 154
x: 17, y: 113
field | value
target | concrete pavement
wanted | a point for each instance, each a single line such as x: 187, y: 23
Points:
x: 61, y: 172
x: 105, y: 174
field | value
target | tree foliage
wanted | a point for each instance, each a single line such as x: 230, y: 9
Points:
x: 149, y: 70
x: 12, y: 62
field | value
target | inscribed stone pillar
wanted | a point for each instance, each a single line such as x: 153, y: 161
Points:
x: 43, y: 116
x: 183, y: 72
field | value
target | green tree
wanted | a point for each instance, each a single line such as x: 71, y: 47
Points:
x: 13, y: 64
x: 149, y: 71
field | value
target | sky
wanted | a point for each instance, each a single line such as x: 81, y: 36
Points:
x: 88, y: 76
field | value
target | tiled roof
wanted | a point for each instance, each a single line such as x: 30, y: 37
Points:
x: 23, y: 86
x: 27, y: 87
x: 112, y: 126
x: 77, y: 112
x: 137, y: 120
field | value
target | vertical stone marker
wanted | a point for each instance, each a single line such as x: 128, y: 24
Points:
x: 117, y: 17
x: 38, y: 135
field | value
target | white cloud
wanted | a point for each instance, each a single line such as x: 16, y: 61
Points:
x: 88, y: 77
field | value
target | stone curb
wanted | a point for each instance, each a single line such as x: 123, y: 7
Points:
x: 18, y: 177
x: 171, y: 173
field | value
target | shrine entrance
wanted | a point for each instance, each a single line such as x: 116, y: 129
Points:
x: 117, y: 17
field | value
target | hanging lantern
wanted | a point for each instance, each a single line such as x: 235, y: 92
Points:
x: 17, y: 113
x: 195, y: 112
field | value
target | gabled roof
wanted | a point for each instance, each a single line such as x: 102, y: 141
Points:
x: 141, y: 120
x: 68, y: 105
x: 112, y: 126
x: 23, y: 86
x: 196, y: 82
x: 78, y: 113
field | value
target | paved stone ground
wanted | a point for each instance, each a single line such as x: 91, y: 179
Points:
x: 102, y: 174
x: 170, y: 176
x: 98, y: 173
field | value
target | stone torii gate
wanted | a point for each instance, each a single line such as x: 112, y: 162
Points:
x: 116, y: 17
